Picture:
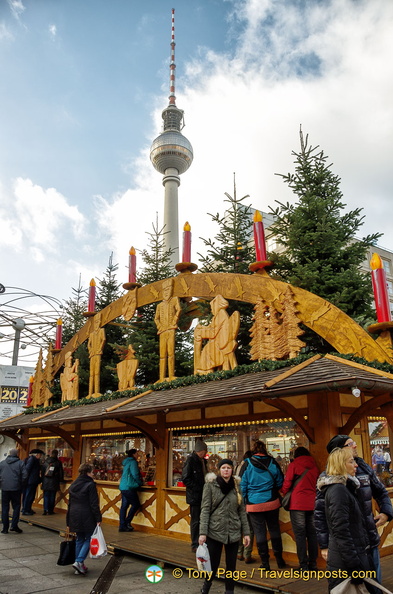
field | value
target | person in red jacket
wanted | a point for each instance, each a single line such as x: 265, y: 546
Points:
x: 301, y: 506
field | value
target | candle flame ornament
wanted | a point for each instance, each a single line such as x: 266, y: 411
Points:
x: 30, y: 390
x: 380, y: 289
x: 186, y: 265
x: 186, y: 243
x: 92, y: 296
x: 59, y: 334
x: 132, y: 266
x: 259, y: 237
x: 260, y: 246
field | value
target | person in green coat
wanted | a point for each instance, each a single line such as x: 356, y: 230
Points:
x: 130, y: 482
x: 223, y: 520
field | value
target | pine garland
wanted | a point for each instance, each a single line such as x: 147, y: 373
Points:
x: 264, y: 365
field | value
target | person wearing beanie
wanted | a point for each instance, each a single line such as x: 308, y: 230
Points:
x: 370, y: 488
x: 193, y: 476
x: 338, y: 441
x: 13, y: 476
x: 223, y: 521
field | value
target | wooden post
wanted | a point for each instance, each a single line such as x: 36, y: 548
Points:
x: 324, y: 415
x: 161, y: 472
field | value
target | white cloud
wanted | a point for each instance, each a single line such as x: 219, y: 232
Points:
x: 52, y: 31
x: 324, y: 65
x: 5, y: 33
x: 17, y: 8
x: 40, y: 214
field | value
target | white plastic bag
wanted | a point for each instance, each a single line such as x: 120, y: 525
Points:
x: 203, y: 558
x: 97, y: 544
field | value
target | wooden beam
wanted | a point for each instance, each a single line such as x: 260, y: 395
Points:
x: 64, y: 434
x: 13, y: 435
x: 291, y: 371
x: 359, y: 366
x: 48, y: 414
x: 116, y: 406
x: 13, y: 417
x: 290, y: 410
x: 150, y: 430
x: 363, y: 410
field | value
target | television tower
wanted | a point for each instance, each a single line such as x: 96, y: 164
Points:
x: 171, y: 154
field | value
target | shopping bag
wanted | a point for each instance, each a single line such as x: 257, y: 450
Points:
x: 67, y: 552
x: 203, y: 558
x: 345, y: 587
x: 97, y: 544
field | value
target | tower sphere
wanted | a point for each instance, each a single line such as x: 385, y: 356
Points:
x: 171, y: 150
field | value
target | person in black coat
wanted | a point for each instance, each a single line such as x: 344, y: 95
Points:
x: 53, y: 475
x: 83, y: 514
x: 370, y: 488
x: 349, y: 547
x: 34, y: 478
x: 193, y: 476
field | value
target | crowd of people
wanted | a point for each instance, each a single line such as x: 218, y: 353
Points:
x: 330, y: 511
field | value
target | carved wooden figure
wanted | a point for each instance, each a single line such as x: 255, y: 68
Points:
x: 291, y: 324
x: 126, y: 370
x: 221, y: 334
x: 95, y: 345
x: 166, y: 319
x: 129, y: 305
x: 69, y: 379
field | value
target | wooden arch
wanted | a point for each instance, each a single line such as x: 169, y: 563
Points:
x: 329, y: 322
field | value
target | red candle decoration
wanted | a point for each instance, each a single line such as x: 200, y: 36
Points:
x: 92, y: 296
x: 30, y: 390
x: 259, y: 237
x: 132, y: 266
x: 380, y: 289
x: 59, y: 334
x: 186, y: 243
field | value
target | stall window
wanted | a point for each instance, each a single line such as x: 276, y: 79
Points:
x: 380, y: 450
x: 107, y: 452
x: 280, y: 437
x: 56, y: 443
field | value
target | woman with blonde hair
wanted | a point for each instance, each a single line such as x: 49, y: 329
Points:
x: 348, y: 540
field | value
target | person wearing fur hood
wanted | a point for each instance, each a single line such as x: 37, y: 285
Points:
x: 223, y: 520
x: 349, y: 546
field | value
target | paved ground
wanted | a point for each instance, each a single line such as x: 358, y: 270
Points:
x: 28, y: 566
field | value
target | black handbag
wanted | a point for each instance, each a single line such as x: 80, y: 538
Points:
x: 67, y: 551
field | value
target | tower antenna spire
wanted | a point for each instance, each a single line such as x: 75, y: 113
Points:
x: 171, y: 154
x: 172, y: 66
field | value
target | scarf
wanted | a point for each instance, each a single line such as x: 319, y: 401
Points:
x: 225, y: 487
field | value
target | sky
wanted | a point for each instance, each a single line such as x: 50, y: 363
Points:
x: 82, y: 87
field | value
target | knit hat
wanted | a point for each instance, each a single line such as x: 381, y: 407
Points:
x: 200, y: 446
x: 37, y: 451
x: 13, y: 452
x: 225, y: 461
x: 338, y: 441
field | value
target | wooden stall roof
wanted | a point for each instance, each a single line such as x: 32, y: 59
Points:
x: 320, y: 373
